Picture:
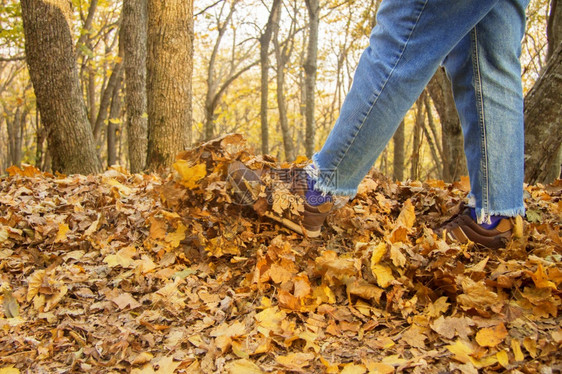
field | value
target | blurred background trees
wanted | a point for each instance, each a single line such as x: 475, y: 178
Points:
x: 276, y: 71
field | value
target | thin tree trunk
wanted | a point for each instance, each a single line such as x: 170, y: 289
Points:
x: 52, y: 67
x: 398, y: 163
x: 282, y: 55
x: 265, y: 39
x: 433, y: 147
x: 212, y: 84
x: 310, y: 67
x: 170, y: 66
x: 416, y: 144
x: 453, y: 158
x: 39, y: 140
x: 113, y: 124
x: 107, y: 94
x: 554, y: 28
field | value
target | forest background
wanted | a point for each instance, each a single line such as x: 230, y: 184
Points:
x: 276, y: 71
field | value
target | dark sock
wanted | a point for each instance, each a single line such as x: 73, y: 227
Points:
x: 494, y: 220
x: 314, y: 197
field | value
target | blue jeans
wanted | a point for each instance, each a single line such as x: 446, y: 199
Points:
x: 479, y: 43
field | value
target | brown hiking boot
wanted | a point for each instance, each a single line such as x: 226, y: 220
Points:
x: 297, y: 214
x: 463, y: 228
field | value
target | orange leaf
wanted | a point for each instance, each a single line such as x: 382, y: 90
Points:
x: 491, y: 336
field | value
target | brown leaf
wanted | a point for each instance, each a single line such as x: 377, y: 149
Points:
x: 125, y: 300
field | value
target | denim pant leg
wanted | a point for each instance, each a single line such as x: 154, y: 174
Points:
x: 409, y: 42
x: 486, y: 75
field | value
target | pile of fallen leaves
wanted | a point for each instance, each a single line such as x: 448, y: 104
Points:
x: 137, y: 273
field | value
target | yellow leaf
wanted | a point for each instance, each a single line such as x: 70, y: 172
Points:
x: 269, y: 320
x: 394, y: 360
x: 476, y: 295
x: 190, y: 175
x: 324, y: 294
x: 123, y: 258
x: 174, y: 238
x: 364, y: 289
x: 295, y: 361
x: 383, y: 274
x: 407, y: 216
x: 531, y: 346
x: 557, y: 336
x: 3, y: 234
x: 379, y: 368
x: 378, y: 252
x: 224, y: 334
x: 352, y: 368
x: 516, y: 348
x: 329, y: 367
x: 302, y: 286
x: 397, y: 257
x: 166, y: 365
x: 34, y: 282
x: 333, y: 267
x: 461, y: 351
x: 9, y: 370
x: 541, y: 280
x: 503, y: 358
x: 437, y: 308
x: 242, y: 366
x: 491, y: 336
x: 61, y: 234
x: 11, y: 305
x: 142, y: 358
x: 123, y: 190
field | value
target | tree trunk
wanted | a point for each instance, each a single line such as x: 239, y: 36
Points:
x: 433, y: 147
x: 554, y: 28
x: 133, y: 37
x: 543, y: 121
x: 114, y: 121
x: 398, y: 163
x: 52, y: 67
x: 416, y: 144
x: 554, y: 35
x: 107, y: 94
x: 310, y: 67
x: 454, y: 161
x: 265, y: 39
x: 169, y: 69
x: 282, y: 55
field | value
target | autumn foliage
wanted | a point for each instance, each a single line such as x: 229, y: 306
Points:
x: 148, y: 274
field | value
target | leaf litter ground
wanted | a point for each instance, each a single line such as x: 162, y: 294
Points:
x: 143, y: 274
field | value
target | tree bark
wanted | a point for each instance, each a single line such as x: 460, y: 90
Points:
x: 133, y: 36
x: 310, y: 67
x: 554, y: 36
x: 398, y: 163
x: 265, y: 39
x: 543, y: 121
x: 169, y: 69
x: 52, y: 67
x: 454, y: 161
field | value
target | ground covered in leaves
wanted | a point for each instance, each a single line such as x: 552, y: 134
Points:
x: 137, y: 273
